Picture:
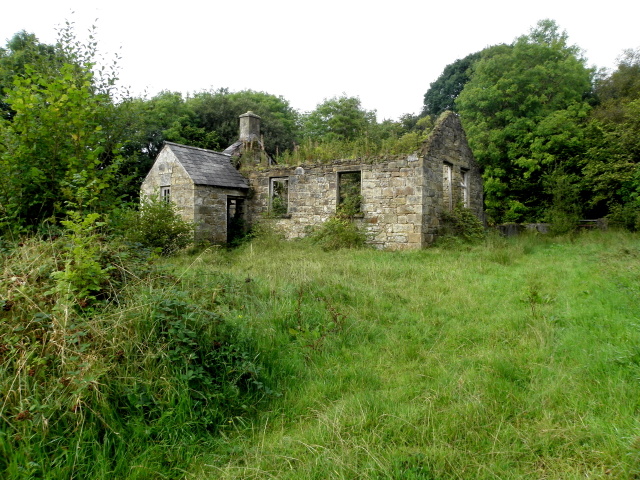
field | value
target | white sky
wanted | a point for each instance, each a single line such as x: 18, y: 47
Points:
x: 386, y: 53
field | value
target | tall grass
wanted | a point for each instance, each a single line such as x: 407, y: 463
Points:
x: 515, y: 358
x: 132, y: 386
x: 512, y: 359
x: 364, y: 148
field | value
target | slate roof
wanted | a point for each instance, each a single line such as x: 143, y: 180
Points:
x: 206, y: 167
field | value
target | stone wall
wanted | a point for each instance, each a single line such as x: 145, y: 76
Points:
x: 447, y: 148
x: 391, y: 199
x: 402, y: 199
x: 168, y: 172
x: 211, y: 212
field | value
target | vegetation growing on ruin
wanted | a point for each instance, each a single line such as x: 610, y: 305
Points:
x: 504, y: 358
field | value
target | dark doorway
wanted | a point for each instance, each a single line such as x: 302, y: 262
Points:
x: 236, y: 226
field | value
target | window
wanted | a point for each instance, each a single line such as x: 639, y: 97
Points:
x: 465, y: 187
x: 165, y: 193
x: 279, y: 196
x: 447, y: 184
x: 349, y: 193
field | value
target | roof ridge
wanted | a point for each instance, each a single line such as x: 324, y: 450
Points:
x: 195, y: 148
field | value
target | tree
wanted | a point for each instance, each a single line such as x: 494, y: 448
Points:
x: 611, y: 167
x: 511, y: 109
x: 219, y: 112
x: 54, y: 152
x: 443, y: 92
x: 338, y: 118
x: 22, y: 50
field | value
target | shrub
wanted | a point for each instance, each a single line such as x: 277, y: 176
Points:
x: 461, y: 223
x: 124, y: 390
x: 340, y: 231
x: 565, y: 210
x: 157, y: 224
x: 625, y: 216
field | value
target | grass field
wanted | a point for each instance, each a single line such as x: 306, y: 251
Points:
x: 512, y: 359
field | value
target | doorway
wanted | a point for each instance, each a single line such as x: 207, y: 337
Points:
x: 236, y: 225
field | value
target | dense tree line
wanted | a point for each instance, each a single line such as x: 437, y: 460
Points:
x: 556, y: 140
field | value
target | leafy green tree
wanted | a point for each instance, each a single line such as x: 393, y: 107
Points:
x: 54, y: 150
x: 512, y: 112
x: 219, y: 112
x: 622, y: 86
x: 443, y: 92
x: 22, y: 50
x: 338, y: 118
x: 611, y: 166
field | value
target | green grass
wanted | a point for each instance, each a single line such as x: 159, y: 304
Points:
x: 513, y: 359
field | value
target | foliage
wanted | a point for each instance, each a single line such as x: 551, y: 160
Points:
x: 338, y: 232
x: 54, y: 150
x: 350, y: 199
x: 513, y: 109
x: 219, y: 110
x: 338, y: 118
x: 84, y: 275
x: 157, y: 224
x: 22, y: 50
x: 565, y: 210
x: 460, y: 223
x: 625, y: 216
x: 443, y: 92
x: 610, y: 166
x: 129, y: 390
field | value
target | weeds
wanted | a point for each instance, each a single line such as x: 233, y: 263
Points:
x: 123, y: 389
x: 281, y: 360
x: 460, y: 224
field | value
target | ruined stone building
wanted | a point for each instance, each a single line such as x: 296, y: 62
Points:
x: 398, y: 201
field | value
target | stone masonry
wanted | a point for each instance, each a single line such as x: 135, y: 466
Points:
x: 401, y: 199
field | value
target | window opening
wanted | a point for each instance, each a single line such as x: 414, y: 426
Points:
x: 447, y: 184
x: 165, y: 193
x: 465, y: 188
x: 279, y: 196
x: 349, y: 193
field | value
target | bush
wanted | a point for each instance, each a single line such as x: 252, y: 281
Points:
x: 158, y: 225
x: 625, y: 216
x: 565, y: 210
x: 129, y: 389
x: 461, y: 223
x: 340, y: 231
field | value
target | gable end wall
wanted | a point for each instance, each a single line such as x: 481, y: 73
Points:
x: 168, y: 172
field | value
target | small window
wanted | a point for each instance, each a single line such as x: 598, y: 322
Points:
x: 279, y: 196
x: 165, y: 193
x: 465, y: 188
x: 350, y: 193
x: 447, y: 186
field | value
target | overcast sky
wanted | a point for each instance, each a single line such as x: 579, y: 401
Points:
x: 386, y: 53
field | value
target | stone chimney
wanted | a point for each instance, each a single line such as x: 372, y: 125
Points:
x: 249, y: 127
